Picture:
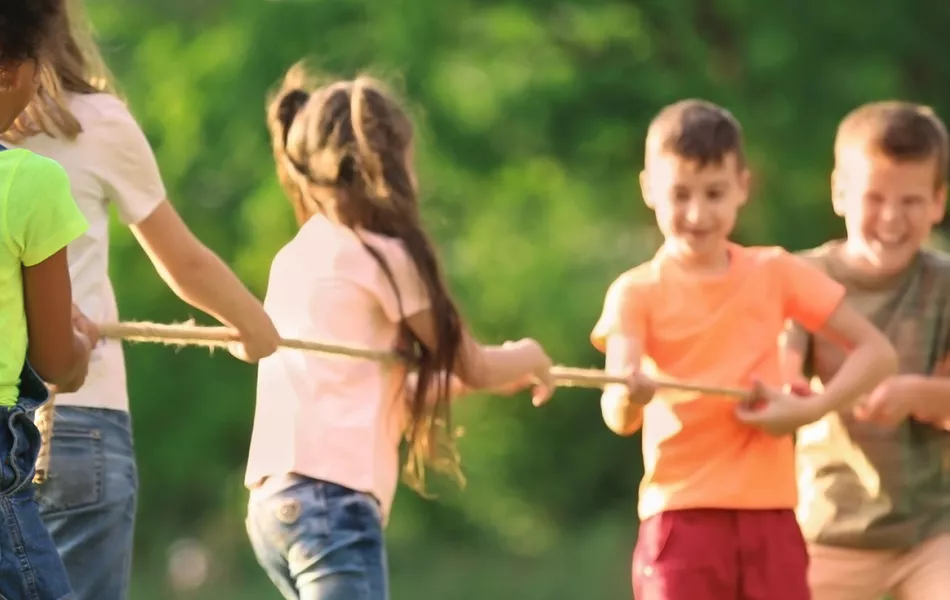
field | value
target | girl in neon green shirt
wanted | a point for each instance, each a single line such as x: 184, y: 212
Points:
x: 38, y: 218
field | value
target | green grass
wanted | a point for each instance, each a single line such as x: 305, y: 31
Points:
x: 593, y: 564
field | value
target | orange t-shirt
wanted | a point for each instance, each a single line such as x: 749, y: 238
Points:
x: 716, y: 330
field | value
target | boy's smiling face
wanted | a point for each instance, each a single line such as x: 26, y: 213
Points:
x: 889, y: 207
x: 696, y: 206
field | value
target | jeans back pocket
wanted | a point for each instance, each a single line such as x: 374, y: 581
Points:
x: 76, y: 468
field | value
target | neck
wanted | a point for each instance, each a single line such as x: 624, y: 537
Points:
x: 713, y: 262
x: 856, y: 267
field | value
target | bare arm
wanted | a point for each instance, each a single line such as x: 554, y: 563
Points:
x: 622, y: 405
x: 201, y: 279
x: 59, y: 354
x: 793, y: 346
x: 489, y: 367
x: 872, y: 359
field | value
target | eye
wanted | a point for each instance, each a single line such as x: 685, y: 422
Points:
x: 680, y: 194
x: 715, y: 194
x: 873, y: 200
x: 912, y: 201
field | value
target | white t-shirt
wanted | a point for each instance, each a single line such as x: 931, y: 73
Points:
x: 110, y: 161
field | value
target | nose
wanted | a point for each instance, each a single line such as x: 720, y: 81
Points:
x: 695, y: 212
x: 889, y: 211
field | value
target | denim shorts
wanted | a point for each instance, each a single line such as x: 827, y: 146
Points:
x: 318, y: 540
x: 30, y: 566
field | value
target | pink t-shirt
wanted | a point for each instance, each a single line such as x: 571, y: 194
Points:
x: 330, y: 417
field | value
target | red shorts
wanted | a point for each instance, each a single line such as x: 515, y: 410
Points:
x: 713, y: 554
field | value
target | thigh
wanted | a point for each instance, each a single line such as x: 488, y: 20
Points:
x: 773, y: 556
x: 847, y: 574
x: 686, y: 555
x: 268, y: 555
x: 926, y: 571
x: 89, y: 498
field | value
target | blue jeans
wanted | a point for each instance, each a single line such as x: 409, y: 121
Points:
x: 88, y: 499
x: 30, y: 566
x: 318, y: 540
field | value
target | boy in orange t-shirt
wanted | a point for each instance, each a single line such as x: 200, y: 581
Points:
x: 718, y: 495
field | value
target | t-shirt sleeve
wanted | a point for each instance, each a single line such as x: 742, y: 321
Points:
x: 412, y: 296
x: 810, y: 295
x: 624, y: 313
x: 41, y: 215
x: 130, y: 175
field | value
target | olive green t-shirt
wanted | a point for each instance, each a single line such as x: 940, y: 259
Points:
x: 38, y: 217
x: 863, y: 485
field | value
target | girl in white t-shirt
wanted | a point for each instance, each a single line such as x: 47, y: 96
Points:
x: 324, y: 452
x: 88, y: 502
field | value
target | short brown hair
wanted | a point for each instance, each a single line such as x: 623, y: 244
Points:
x: 901, y: 131
x: 696, y: 130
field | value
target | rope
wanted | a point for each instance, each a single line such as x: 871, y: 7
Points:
x: 188, y: 334
x: 216, y: 337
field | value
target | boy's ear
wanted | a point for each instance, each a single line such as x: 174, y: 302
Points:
x: 940, y: 204
x: 837, y: 193
x: 745, y: 184
x: 645, y: 189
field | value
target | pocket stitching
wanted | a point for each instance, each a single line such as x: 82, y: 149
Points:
x: 50, y: 507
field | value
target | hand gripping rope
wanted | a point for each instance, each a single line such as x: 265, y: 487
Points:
x: 218, y: 337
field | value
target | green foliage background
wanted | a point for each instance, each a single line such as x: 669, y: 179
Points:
x: 531, y: 117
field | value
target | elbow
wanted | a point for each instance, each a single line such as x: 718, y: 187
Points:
x: 624, y: 428
x: 186, y: 273
x: 64, y: 365
x: 66, y: 374
x: 620, y: 416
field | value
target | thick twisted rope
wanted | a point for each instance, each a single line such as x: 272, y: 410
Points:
x: 217, y: 337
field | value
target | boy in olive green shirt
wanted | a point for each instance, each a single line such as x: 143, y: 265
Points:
x: 874, y: 500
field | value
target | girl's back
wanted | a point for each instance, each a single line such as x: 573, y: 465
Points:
x: 328, y: 416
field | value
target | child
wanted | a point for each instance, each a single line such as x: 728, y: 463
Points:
x: 39, y: 219
x: 361, y: 271
x: 875, y: 481
x: 718, y: 493
x: 88, y: 504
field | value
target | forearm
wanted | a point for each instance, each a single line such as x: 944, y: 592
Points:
x: 492, y: 367
x: 209, y: 285
x: 70, y: 377
x: 865, y: 368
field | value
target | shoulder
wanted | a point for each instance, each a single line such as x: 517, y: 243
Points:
x: 634, y: 282
x: 104, y: 117
x: 26, y: 166
x: 100, y: 106
x: 776, y: 257
x: 935, y: 259
x: 936, y: 264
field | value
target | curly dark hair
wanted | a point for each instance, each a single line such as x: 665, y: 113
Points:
x: 24, y: 25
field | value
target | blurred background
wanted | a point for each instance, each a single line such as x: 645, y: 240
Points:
x: 531, y: 117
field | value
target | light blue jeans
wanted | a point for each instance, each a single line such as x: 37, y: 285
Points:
x: 318, y: 540
x: 88, y: 500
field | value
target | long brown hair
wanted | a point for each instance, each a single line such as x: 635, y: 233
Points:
x: 72, y: 65
x: 352, y: 139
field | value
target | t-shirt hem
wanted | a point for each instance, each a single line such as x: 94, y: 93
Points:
x: 645, y: 514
